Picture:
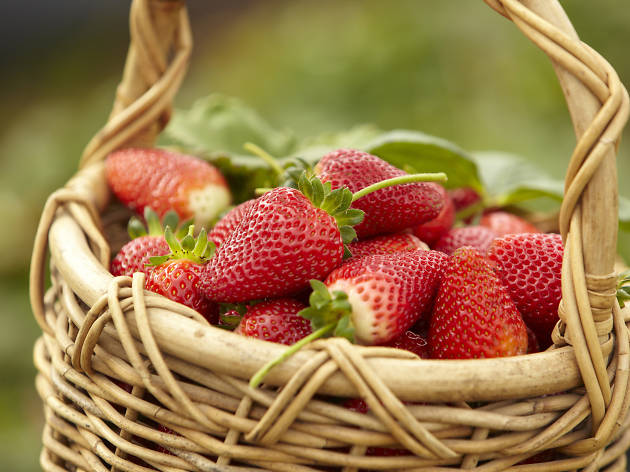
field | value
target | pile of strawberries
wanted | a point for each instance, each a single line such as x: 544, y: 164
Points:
x: 387, y: 265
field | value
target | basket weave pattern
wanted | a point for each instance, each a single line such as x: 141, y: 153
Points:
x: 103, y: 334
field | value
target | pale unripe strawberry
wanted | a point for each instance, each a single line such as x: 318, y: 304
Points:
x: 165, y: 180
x: 387, y: 293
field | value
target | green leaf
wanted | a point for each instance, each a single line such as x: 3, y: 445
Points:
x: 419, y: 152
x: 217, y: 123
x: 216, y: 127
x: 510, y: 179
x: 311, y: 149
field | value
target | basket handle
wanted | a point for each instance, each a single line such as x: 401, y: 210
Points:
x: 156, y: 63
x: 598, y: 105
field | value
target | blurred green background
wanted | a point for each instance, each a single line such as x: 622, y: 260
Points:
x: 452, y: 69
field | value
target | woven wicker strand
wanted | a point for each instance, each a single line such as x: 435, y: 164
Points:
x: 115, y: 361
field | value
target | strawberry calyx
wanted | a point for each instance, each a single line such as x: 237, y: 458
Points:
x: 198, y: 250
x: 334, y: 202
x: 154, y: 227
x: 623, y: 288
x: 293, y: 171
x: 327, y: 309
x: 330, y: 315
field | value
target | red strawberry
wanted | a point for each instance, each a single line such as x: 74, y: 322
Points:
x: 432, y: 230
x: 178, y: 275
x: 502, y: 223
x: 165, y: 180
x: 464, y: 197
x: 229, y: 319
x: 532, y: 342
x: 478, y: 237
x: 381, y: 295
x: 473, y: 315
x: 283, y: 241
x: 412, y: 342
x: 134, y: 256
x: 230, y: 221
x: 166, y: 430
x: 358, y: 405
x: 530, y: 266
x: 276, y: 321
x: 386, y: 245
x: 387, y: 210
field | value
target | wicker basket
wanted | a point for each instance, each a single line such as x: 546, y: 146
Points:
x: 101, y: 332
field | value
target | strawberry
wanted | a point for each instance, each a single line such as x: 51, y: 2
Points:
x: 530, y: 266
x: 369, y: 300
x: 387, y: 210
x: 386, y: 244
x: 165, y: 430
x: 478, y: 237
x: 432, y: 230
x: 165, y: 180
x: 502, y: 223
x: 463, y: 197
x: 134, y: 256
x: 532, y: 342
x: 283, y: 241
x: 385, y: 293
x: 358, y: 405
x: 178, y: 275
x: 412, y: 342
x: 473, y: 315
x: 230, y: 221
x: 276, y: 321
x: 229, y: 319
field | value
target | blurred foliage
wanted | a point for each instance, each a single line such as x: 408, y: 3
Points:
x: 451, y: 69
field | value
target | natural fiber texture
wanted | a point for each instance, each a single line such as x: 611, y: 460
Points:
x: 132, y: 381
